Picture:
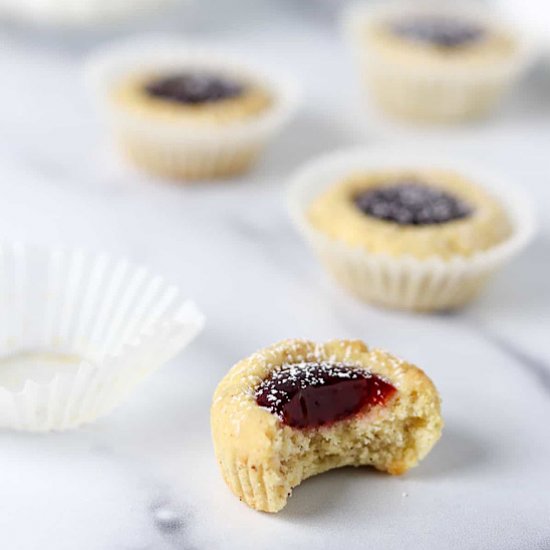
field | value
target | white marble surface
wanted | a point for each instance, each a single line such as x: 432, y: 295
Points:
x: 145, y: 477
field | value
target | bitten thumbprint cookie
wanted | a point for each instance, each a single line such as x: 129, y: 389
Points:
x: 297, y: 409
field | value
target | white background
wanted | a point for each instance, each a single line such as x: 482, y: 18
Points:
x: 145, y: 477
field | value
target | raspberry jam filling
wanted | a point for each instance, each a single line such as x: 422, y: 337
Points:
x: 408, y: 202
x: 309, y: 395
x: 194, y: 88
x: 440, y: 31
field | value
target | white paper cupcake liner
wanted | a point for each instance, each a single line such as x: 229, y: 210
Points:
x: 422, y: 92
x: 183, y: 150
x: 78, y: 332
x: 406, y: 282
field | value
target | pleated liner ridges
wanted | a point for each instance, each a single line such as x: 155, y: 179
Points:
x: 250, y: 484
x: 117, y: 320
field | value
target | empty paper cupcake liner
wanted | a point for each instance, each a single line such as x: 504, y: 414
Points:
x: 422, y: 91
x: 181, y: 150
x: 406, y: 282
x: 78, y: 332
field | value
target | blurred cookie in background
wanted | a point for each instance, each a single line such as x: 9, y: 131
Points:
x: 436, y: 62
x: 409, y: 230
x: 189, y: 112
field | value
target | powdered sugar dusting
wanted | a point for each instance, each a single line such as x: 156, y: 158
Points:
x: 409, y: 202
x: 294, y: 392
x: 260, y: 365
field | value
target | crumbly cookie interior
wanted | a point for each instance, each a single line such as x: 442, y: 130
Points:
x: 390, y: 440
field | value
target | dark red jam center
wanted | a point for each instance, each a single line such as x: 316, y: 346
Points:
x: 411, y: 203
x: 194, y: 88
x: 440, y: 31
x: 309, y: 395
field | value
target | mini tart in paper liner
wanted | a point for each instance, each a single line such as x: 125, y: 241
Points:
x: 78, y: 332
x: 204, y: 139
x: 424, y: 268
x: 423, y: 82
x: 296, y: 409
